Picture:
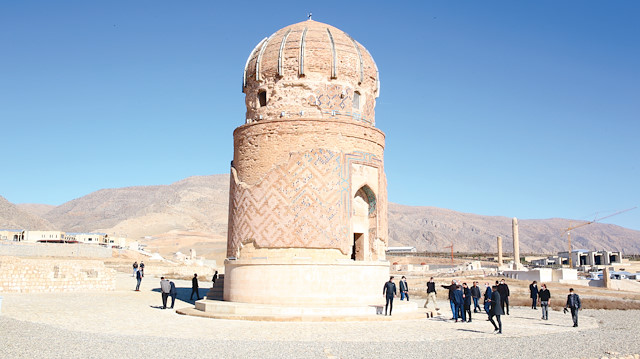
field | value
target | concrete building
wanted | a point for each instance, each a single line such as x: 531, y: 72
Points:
x: 394, y: 250
x: 15, y: 235
x: 89, y: 238
x: 44, y: 236
x: 308, y: 198
x: 582, y: 257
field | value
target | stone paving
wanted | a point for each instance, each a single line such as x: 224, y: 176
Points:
x: 130, y: 314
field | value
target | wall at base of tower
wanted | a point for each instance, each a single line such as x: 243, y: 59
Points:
x: 304, y: 282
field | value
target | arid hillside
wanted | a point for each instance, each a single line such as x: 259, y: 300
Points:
x: 192, y: 213
x: 432, y: 229
x: 12, y: 217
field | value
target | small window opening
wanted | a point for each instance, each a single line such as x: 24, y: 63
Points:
x: 262, y: 98
x: 356, y: 100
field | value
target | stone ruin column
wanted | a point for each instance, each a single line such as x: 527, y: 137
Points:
x: 516, y: 243
x: 499, y: 251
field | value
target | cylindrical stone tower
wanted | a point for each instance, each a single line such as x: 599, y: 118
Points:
x: 308, y: 200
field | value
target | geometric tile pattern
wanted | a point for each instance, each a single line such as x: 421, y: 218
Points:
x: 303, y: 203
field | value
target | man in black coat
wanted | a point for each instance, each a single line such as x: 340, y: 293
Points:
x: 194, y: 287
x: 487, y: 298
x: 503, y: 289
x: 573, y: 303
x: 389, y: 291
x: 466, y: 295
x: 533, y: 289
x: 496, y: 310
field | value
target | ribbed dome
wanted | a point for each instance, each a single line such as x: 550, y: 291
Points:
x: 310, y: 70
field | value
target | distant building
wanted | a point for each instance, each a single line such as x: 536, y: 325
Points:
x: 90, y: 238
x: 44, y: 236
x: 392, y: 250
x: 15, y: 235
x: 582, y: 257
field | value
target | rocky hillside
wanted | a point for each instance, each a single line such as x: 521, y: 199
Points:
x: 195, y: 203
x: 192, y: 213
x: 12, y: 217
x: 432, y: 229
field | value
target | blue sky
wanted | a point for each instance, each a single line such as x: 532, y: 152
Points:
x: 512, y: 108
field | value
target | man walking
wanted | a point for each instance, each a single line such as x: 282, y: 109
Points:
x: 475, y: 294
x: 573, y: 303
x: 135, y: 268
x: 533, y: 289
x: 545, y: 297
x: 194, y: 287
x: 431, y: 293
x: 389, y: 291
x: 503, y: 289
x: 138, y: 279
x: 165, y: 288
x: 404, y: 288
x: 496, y: 310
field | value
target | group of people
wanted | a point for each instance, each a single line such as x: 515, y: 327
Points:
x: 542, y: 297
x: 496, y: 300
x: 389, y: 292
x: 168, y: 289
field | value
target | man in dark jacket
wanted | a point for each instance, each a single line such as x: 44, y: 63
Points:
x: 173, y: 293
x: 194, y: 287
x: 533, y: 289
x: 466, y: 293
x: 503, y: 289
x: 487, y: 298
x: 458, y: 300
x: 389, y: 291
x: 475, y: 294
x: 404, y: 288
x: 496, y: 310
x: 545, y: 297
x: 138, y: 279
x: 573, y: 303
x: 451, y: 288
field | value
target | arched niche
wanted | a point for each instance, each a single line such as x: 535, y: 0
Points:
x: 363, y: 223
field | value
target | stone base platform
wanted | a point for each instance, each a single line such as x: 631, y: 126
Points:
x: 268, y: 312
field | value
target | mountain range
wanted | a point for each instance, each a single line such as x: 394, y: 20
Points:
x: 192, y: 213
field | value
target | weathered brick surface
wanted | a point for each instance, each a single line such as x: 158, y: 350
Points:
x: 51, y: 275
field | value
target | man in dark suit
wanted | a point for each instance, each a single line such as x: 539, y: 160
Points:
x: 466, y: 293
x: 487, y: 298
x: 496, y: 310
x: 404, y: 288
x: 533, y: 289
x: 452, y: 302
x: 194, y: 287
x: 389, y: 291
x: 573, y: 303
x: 503, y: 289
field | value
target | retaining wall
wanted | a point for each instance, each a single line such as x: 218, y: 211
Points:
x: 80, y: 250
x: 20, y: 275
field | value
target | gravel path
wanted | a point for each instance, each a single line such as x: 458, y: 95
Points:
x: 128, y: 324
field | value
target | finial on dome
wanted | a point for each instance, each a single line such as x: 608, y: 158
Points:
x: 309, y: 15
